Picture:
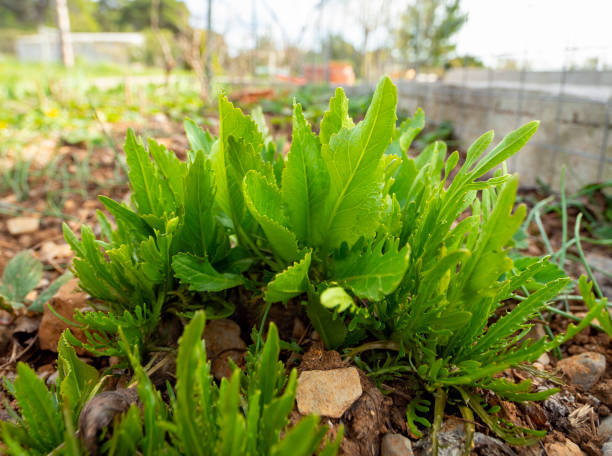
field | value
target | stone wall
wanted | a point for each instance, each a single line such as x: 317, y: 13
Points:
x: 574, y: 128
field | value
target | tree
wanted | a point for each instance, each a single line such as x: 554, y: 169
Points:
x: 63, y: 24
x: 26, y: 14
x: 339, y: 48
x: 426, y: 32
x: 370, y: 16
x: 173, y: 15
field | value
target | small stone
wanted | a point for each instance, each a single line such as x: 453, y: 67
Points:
x: 22, y: 225
x: 604, y: 430
x: 395, y: 445
x: 567, y: 448
x: 70, y: 206
x: 584, y: 369
x: 328, y: 393
x: 68, y: 299
x: 544, y: 359
x: 50, y: 251
x: 223, y: 342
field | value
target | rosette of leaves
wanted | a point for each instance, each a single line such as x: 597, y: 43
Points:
x: 321, y: 214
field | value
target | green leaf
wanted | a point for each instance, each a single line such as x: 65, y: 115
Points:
x: 512, y: 321
x: 173, y: 170
x: 199, y: 274
x: 232, y: 429
x: 21, y: 275
x: 122, y: 214
x: 336, y: 117
x: 76, y: 378
x: 241, y: 158
x: 353, y: 158
x: 41, y: 415
x: 374, y: 272
x: 39, y: 302
x: 232, y: 122
x: 199, y: 233
x: 265, y: 204
x: 511, y: 143
x: 604, y: 319
x: 305, y: 179
x: 336, y: 298
x: 289, y: 283
x: 332, y: 330
x: 410, y: 128
x: 143, y: 176
x: 198, y: 139
x: 303, y: 439
x: 258, y: 117
x: 191, y: 357
x: 267, y: 366
x: 405, y: 134
x: 275, y: 414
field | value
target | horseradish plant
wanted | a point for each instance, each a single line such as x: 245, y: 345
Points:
x: 381, y: 248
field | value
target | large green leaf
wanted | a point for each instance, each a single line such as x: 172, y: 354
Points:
x: 353, y: 158
x: 199, y: 231
x: 200, y: 275
x: 374, y: 272
x: 305, y: 179
x: 241, y: 158
x: 289, y: 283
x: 264, y: 201
x: 232, y: 122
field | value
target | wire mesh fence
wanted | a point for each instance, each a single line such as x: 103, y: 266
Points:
x: 574, y: 107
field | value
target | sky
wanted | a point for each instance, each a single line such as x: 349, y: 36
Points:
x: 546, y: 33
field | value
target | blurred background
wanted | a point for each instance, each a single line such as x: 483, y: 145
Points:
x: 81, y: 71
x: 76, y: 74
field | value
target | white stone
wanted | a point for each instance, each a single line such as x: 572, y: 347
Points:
x: 328, y: 393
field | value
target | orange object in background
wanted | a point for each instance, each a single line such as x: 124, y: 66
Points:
x: 250, y: 96
x: 340, y: 73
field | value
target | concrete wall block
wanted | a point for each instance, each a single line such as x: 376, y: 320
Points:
x: 582, y: 138
x: 528, y: 164
x: 593, y: 114
x: 579, y: 172
x: 538, y: 109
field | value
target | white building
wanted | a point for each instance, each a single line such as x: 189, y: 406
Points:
x: 94, y: 47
